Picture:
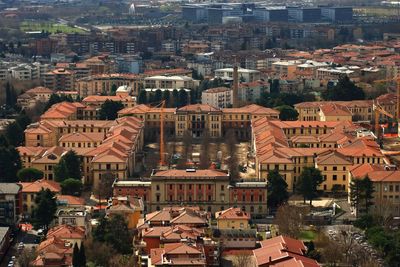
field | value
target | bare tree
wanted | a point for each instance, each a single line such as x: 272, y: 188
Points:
x: 346, y: 241
x: 187, y: 140
x: 26, y: 256
x: 232, y: 162
x: 242, y: 259
x: 290, y: 219
x: 384, y: 212
x: 331, y: 251
x: 205, y: 151
x: 104, y: 189
x: 122, y: 260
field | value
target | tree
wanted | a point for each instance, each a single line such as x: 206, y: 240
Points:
x: 114, y: 88
x: 309, y: 180
x: 23, y: 120
x: 187, y: 141
x: 345, y: 90
x: 115, y: 232
x: 10, y: 163
x: 46, y: 207
x: 232, y: 162
x: 205, y: 151
x: 75, y: 256
x: 122, y: 260
x: 175, y: 97
x: 242, y: 259
x: 277, y: 190
x: 287, y: 113
x: 71, y: 186
x: 69, y: 166
x: 29, y: 174
x: 290, y: 220
x: 98, y: 253
x: 104, y: 189
x: 158, y: 96
x: 26, y: 257
x: 142, y: 97
x: 166, y: 98
x: 82, y: 256
x: 11, y: 97
x: 109, y: 110
x: 183, y: 98
x: 14, y: 134
x: 361, y: 193
x: 54, y: 99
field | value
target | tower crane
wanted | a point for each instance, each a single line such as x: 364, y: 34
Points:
x: 379, y: 110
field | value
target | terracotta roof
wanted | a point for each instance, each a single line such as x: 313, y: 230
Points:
x: 82, y: 137
x: 189, y: 174
x: 100, y: 98
x: 332, y: 109
x: 40, y: 90
x: 232, y: 214
x: 333, y: 158
x: 199, y: 108
x: 177, y: 254
x: 71, y: 200
x: 37, y: 186
x: 283, y: 251
x: 66, y: 232
x: 252, y: 109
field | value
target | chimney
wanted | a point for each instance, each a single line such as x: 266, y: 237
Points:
x: 235, y: 103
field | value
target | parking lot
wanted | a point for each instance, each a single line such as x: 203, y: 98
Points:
x: 353, y: 237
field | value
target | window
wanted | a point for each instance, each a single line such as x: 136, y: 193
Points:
x: 334, y: 177
x: 108, y: 166
x: 170, y: 186
x: 180, y: 187
x: 222, y: 187
x: 209, y: 197
x: 158, y: 198
x: 334, y: 168
x: 157, y: 187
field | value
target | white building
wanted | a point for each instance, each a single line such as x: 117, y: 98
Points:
x: 171, y: 82
x: 220, y: 97
x: 245, y: 75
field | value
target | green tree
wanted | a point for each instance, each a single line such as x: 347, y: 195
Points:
x: 69, y: 166
x: 46, y: 207
x: 114, y: 88
x: 54, y: 99
x: 11, y: 97
x: 158, y: 96
x: 10, y: 163
x: 287, y: 113
x: 109, y: 110
x: 82, y: 256
x: 142, y: 97
x: 277, y: 190
x: 23, y: 120
x: 307, y: 185
x: 361, y: 193
x: 75, y: 256
x: 175, y: 96
x: 71, y: 186
x: 345, y: 90
x: 14, y: 134
x: 183, y: 98
x: 115, y: 232
x: 29, y: 174
x: 368, y: 196
x: 166, y: 98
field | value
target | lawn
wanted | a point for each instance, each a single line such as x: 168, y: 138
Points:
x: 307, y: 235
x: 48, y: 27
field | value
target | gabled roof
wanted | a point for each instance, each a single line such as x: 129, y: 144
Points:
x: 37, y: 186
x: 333, y: 158
x: 66, y: 232
x: 232, y: 214
x: 199, y: 108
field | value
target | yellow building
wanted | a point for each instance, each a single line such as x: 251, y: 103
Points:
x: 129, y: 208
x: 334, y: 112
x: 95, y: 101
x: 105, y: 83
x: 30, y: 190
x: 386, y: 187
x: 232, y: 218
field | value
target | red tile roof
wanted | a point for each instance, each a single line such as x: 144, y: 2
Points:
x: 232, y: 214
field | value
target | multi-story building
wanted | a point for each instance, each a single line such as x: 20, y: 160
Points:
x: 361, y: 110
x: 9, y: 203
x: 337, y: 14
x: 59, y: 80
x: 95, y: 101
x: 208, y: 189
x: 306, y: 14
x: 220, y: 97
x: 386, y: 188
x: 332, y: 147
x: 104, y: 84
x: 245, y: 75
x: 28, y: 192
x: 170, y: 82
x: 34, y: 95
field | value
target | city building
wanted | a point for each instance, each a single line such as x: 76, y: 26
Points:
x: 59, y: 80
x: 28, y: 193
x: 304, y: 14
x: 9, y: 203
x: 178, y: 254
x: 95, y: 101
x: 337, y: 14
x: 68, y: 233
x: 220, y: 97
x: 245, y: 75
x: 282, y: 250
x: 131, y: 209
x: 170, y: 82
x: 232, y: 218
x: 5, y: 241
